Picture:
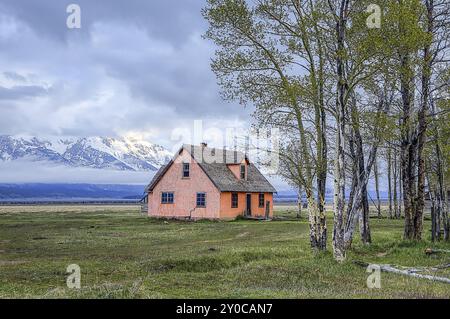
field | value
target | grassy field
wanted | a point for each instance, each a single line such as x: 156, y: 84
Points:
x: 125, y: 255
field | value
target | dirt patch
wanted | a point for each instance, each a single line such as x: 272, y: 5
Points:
x: 242, y: 235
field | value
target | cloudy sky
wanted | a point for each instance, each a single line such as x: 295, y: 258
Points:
x: 135, y: 67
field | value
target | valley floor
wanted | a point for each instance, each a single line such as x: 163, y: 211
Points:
x: 125, y: 255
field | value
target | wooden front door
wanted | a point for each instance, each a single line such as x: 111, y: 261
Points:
x: 248, y: 209
x: 267, y: 209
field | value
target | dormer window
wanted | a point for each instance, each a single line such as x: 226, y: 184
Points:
x: 242, y: 171
x: 186, y: 170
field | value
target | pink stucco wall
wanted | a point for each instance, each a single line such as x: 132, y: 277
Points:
x: 185, y: 191
x: 228, y: 212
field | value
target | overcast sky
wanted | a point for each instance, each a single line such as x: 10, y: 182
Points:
x: 135, y: 67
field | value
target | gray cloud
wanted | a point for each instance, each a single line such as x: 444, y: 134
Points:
x: 21, y: 92
x: 14, y: 76
x: 134, y: 66
x: 171, y: 20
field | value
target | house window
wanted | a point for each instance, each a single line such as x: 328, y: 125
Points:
x: 185, y: 170
x: 201, y: 199
x: 234, y: 200
x: 167, y: 198
x: 243, y: 171
x: 261, y: 200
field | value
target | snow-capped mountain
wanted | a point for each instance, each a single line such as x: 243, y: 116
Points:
x: 125, y: 154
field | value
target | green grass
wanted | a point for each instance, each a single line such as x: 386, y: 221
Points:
x: 125, y: 255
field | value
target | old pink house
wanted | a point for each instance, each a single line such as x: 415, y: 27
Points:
x: 202, y: 182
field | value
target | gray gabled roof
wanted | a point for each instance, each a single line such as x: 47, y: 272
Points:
x: 218, y: 171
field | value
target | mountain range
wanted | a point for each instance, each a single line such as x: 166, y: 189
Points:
x: 123, y: 154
